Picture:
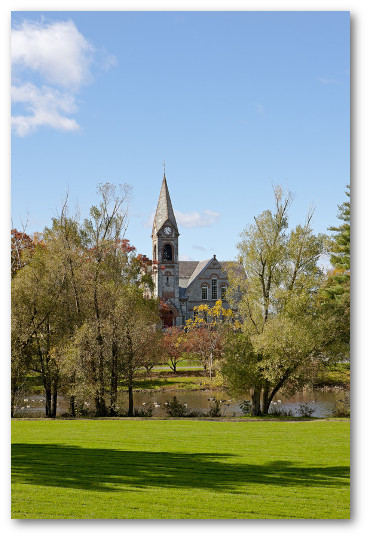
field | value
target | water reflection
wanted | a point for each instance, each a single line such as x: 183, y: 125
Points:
x: 321, y: 402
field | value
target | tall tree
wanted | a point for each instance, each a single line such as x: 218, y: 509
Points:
x: 104, y: 232
x: 335, y: 294
x: 282, y: 335
x: 136, y: 336
x: 41, y: 316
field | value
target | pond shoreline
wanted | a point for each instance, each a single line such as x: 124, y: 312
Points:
x: 265, y: 418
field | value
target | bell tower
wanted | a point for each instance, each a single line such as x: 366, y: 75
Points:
x: 165, y: 253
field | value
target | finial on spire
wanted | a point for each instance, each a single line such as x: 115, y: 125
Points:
x: 164, y: 167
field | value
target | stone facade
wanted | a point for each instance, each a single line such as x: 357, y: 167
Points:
x: 182, y: 285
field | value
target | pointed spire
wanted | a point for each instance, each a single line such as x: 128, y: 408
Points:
x: 164, y: 210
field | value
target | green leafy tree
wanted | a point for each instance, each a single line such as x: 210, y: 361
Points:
x: 282, y: 337
x: 103, y: 231
x: 66, y: 293
x: 137, y: 337
x: 41, y: 316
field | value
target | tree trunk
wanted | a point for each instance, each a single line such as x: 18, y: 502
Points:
x: 114, y: 381
x: 172, y: 365
x: 72, y: 406
x: 12, y: 402
x: 130, y: 400
x: 100, y: 397
x: 255, y: 402
x: 54, y: 399
x: 48, y: 401
x: 265, y: 399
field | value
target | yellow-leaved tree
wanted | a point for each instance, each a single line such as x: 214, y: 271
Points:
x: 206, y: 332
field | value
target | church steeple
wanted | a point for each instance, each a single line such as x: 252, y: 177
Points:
x: 165, y: 253
x: 164, y: 210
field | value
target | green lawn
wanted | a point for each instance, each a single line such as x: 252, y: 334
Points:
x: 176, y: 469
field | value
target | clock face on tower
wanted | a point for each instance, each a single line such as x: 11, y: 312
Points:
x: 167, y: 230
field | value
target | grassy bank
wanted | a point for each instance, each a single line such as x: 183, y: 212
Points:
x: 171, y: 469
x: 190, y: 377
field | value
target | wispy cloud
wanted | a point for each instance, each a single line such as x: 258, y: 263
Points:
x: 260, y: 109
x: 50, y: 64
x: 148, y: 223
x: 197, y: 220
x: 328, y: 80
x: 199, y: 247
x: 46, y: 106
x: 189, y: 220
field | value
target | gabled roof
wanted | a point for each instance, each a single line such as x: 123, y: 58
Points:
x: 164, y: 210
x: 200, y: 267
x: 190, y: 270
x: 186, y: 268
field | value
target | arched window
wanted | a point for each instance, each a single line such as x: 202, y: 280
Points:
x: 204, y: 293
x: 214, y: 288
x: 167, y: 275
x: 154, y: 255
x: 167, y: 253
x: 223, y: 292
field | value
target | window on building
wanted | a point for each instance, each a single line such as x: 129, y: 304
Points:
x: 204, y: 293
x: 167, y: 253
x: 223, y: 292
x: 214, y: 288
x: 167, y: 275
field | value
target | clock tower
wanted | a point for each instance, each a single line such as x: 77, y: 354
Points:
x: 165, y: 253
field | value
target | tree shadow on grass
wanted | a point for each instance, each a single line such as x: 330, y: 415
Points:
x: 109, y: 470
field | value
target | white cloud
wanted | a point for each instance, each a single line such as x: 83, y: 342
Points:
x: 57, y: 58
x: 197, y: 220
x: 47, y: 107
x: 199, y: 247
x: 185, y: 258
x: 57, y: 51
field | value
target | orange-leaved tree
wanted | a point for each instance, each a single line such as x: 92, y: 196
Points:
x: 174, y: 346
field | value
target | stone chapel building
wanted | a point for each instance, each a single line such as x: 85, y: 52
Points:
x: 182, y: 285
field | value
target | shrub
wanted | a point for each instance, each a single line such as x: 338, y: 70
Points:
x: 305, y: 410
x: 281, y: 412
x: 144, y: 411
x: 245, y: 407
x: 215, y: 409
x: 342, y: 407
x: 176, y: 408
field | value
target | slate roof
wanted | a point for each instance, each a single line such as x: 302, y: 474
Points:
x: 186, y: 268
x: 164, y: 210
x: 189, y: 271
x: 197, y: 271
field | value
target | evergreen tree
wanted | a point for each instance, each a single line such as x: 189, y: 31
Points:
x: 338, y: 287
x: 335, y: 295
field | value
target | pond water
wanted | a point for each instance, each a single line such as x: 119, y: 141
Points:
x: 322, y: 402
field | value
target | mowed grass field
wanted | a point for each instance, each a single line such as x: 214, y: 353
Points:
x: 180, y: 469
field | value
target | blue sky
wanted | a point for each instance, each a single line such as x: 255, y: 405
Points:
x: 234, y: 102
